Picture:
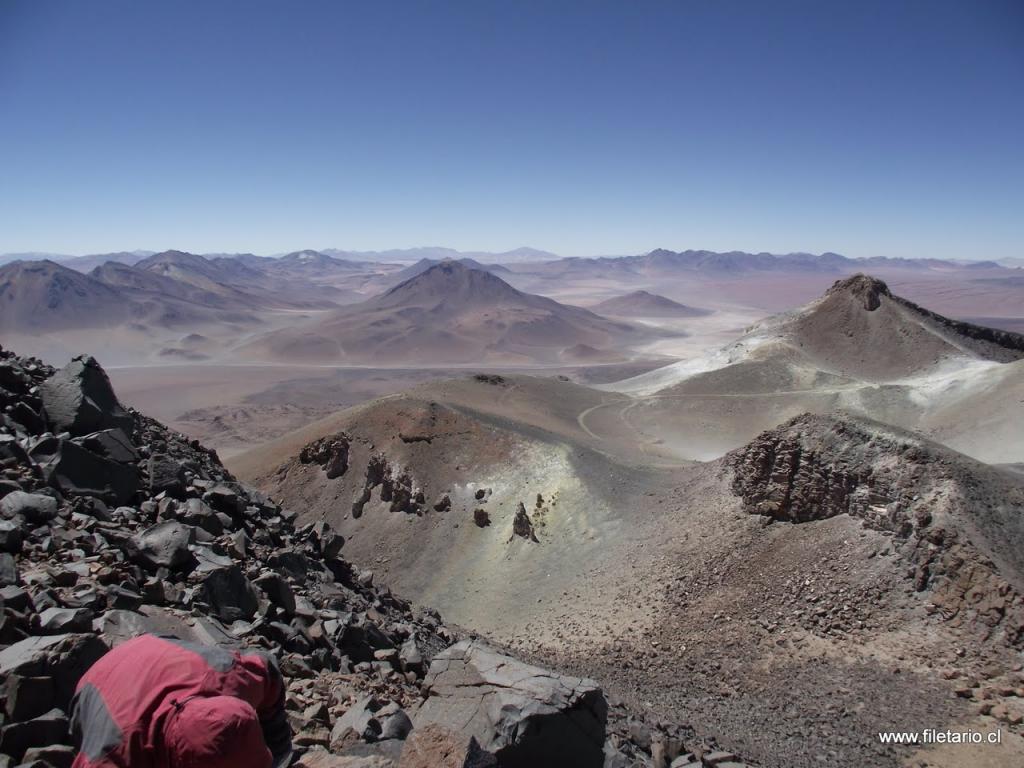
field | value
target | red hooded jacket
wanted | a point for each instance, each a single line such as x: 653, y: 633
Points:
x: 160, y: 702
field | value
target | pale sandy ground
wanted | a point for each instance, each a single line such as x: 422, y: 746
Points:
x: 233, y: 408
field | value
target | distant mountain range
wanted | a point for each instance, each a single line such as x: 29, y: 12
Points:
x: 447, y: 313
x: 662, y: 262
x: 658, y: 259
x: 516, y: 256
x: 162, y: 290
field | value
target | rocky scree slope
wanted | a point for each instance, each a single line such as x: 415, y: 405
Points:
x: 112, y: 525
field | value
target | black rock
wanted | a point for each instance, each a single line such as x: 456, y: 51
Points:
x: 329, y: 542
x: 113, y: 444
x: 10, y: 537
x: 37, y: 508
x: 22, y: 413
x: 224, y: 499
x: 125, y: 599
x: 53, y: 621
x: 11, y: 449
x: 77, y: 471
x: 79, y: 399
x: 278, y: 591
x: 8, y: 570
x: 165, y: 545
x: 360, y: 638
x: 28, y: 697
x: 43, y: 731
x: 65, y: 658
x: 294, y: 564
x: 230, y: 594
x: 166, y: 475
x: 56, y: 756
x: 15, y: 598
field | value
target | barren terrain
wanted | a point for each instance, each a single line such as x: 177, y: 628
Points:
x: 752, y: 494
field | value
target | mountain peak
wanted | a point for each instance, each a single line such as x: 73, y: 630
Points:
x: 867, y: 289
x: 453, y: 280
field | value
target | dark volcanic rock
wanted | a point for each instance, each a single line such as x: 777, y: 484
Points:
x: 522, y: 525
x: 166, y: 475
x: 43, y: 731
x: 230, y: 594
x: 36, y: 508
x: 28, y: 697
x: 77, y: 471
x: 8, y: 570
x: 165, y: 545
x: 10, y: 537
x: 112, y: 444
x: 331, y: 453
x: 54, y: 621
x: 65, y: 658
x: 524, y: 715
x: 79, y: 399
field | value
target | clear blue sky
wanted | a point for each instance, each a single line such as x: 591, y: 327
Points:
x: 868, y: 128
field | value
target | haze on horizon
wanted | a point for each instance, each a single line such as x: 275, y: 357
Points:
x: 586, y: 128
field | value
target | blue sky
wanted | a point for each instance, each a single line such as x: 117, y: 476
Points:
x: 867, y: 128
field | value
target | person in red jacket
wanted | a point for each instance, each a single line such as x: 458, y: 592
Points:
x: 160, y: 702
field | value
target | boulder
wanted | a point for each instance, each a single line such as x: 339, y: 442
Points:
x: 78, y: 471
x: 37, y: 508
x: 113, y: 444
x: 165, y: 545
x: 65, y: 658
x: 410, y: 658
x: 10, y: 537
x: 8, y: 570
x: 43, y: 731
x: 54, y: 621
x: 79, y: 399
x: 522, y: 525
x: 435, y: 746
x: 56, y: 756
x: 277, y: 591
x: 230, y: 595
x: 525, y: 715
x: 166, y: 475
x: 28, y: 697
x: 394, y: 723
x: 359, y: 723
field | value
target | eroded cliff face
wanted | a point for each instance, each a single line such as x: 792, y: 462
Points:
x: 957, y: 523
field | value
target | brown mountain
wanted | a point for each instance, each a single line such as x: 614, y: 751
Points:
x: 644, y: 304
x: 861, y: 329
x: 448, y: 314
x: 39, y: 296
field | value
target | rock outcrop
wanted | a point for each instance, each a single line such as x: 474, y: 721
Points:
x: 523, y: 714
x: 952, y: 531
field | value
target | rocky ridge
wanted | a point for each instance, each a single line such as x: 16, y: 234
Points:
x: 953, y: 520
x: 112, y: 525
